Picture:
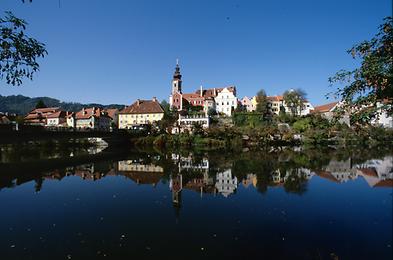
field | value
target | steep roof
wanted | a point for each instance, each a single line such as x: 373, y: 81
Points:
x: 143, y: 107
x: 57, y: 114
x: 325, y: 108
x: 275, y: 98
x: 86, y: 113
x: 112, y: 112
x: 45, y: 110
x: 4, y: 120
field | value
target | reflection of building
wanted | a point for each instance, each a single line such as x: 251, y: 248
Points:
x: 251, y: 179
x: 279, y: 177
x: 140, y: 172
x: 176, y: 186
x: 377, y: 173
x: 225, y: 184
x: 205, y: 184
x: 130, y: 165
x: 187, y: 163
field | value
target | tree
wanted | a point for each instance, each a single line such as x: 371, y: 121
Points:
x: 18, y: 52
x: 262, y: 104
x: 294, y: 100
x: 368, y: 89
x: 40, y: 104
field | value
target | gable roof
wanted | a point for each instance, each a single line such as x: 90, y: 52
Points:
x: 325, y: 108
x: 143, y: 107
x: 112, y: 112
x: 57, y: 114
x: 86, y: 113
x: 275, y: 98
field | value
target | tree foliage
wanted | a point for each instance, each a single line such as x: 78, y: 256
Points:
x: 262, y: 104
x: 18, y: 52
x: 367, y: 90
x: 40, y: 104
x: 294, y: 100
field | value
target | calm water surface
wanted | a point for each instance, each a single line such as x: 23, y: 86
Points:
x: 308, y: 204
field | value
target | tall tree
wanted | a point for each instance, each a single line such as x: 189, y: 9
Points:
x: 368, y: 89
x: 18, y: 52
x: 262, y: 104
x: 40, y: 104
x: 294, y: 99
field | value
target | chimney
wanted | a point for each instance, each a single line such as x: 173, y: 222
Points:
x: 154, y: 99
x: 201, y: 91
x: 92, y: 111
x: 83, y: 111
x: 215, y: 94
x: 138, y: 101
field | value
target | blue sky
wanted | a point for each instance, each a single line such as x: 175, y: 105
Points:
x: 118, y: 51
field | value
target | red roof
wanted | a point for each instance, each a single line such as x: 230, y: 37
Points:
x: 325, y: 108
x: 112, y: 112
x: 327, y: 175
x: 275, y: 98
x: 143, y: 107
x: 369, y: 172
x: 384, y: 183
x: 89, y: 112
x: 57, y: 114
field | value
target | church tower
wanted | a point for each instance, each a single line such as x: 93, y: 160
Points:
x: 176, y: 81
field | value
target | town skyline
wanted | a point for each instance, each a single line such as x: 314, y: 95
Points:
x: 247, y: 49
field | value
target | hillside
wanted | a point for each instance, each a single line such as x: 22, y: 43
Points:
x: 22, y: 105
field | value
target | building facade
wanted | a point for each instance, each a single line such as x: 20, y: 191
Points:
x: 141, y: 112
x: 226, y: 101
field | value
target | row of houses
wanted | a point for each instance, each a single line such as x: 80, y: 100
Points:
x: 141, y: 112
x: 93, y: 118
x: 222, y: 100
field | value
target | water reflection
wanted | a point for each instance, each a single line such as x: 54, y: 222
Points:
x: 287, y: 204
x: 204, y: 174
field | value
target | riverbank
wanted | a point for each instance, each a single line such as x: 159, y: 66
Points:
x: 238, y: 138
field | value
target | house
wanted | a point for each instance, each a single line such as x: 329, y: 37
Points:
x: 57, y: 119
x: 226, y: 101
x: 247, y: 103
x: 141, y: 112
x: 382, y: 118
x: 187, y: 122
x: 277, y: 104
x: 113, y: 113
x: 91, y: 118
x: 38, y: 116
x: 328, y: 111
x: 203, y: 98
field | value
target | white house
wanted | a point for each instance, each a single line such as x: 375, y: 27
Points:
x: 383, y: 119
x: 57, y: 119
x: 226, y: 101
x: 92, y: 118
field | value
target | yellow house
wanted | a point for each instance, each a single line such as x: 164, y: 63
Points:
x: 254, y: 103
x: 140, y: 113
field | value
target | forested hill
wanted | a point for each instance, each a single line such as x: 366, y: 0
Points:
x: 21, y: 105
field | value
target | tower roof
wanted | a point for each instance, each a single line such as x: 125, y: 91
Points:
x: 177, y: 74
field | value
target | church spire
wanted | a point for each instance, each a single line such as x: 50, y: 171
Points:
x: 177, y: 75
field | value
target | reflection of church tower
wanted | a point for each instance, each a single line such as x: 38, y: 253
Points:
x: 176, y: 186
x: 176, y: 97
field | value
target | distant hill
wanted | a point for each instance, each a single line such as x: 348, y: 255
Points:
x: 22, y: 105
